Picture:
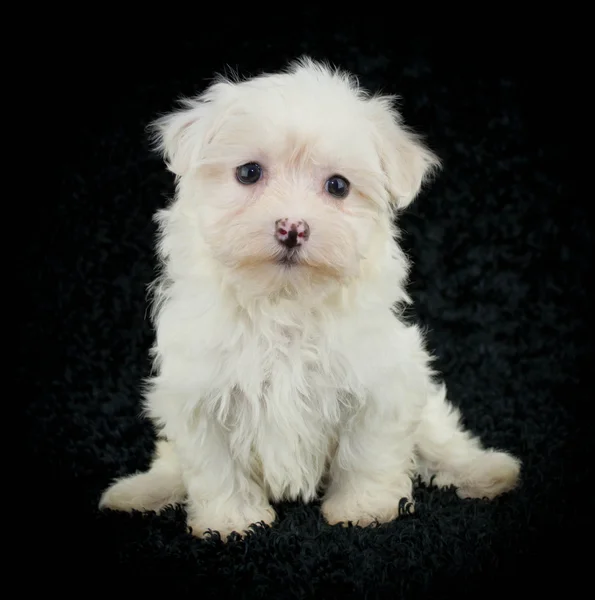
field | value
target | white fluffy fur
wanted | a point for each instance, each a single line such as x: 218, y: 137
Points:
x: 282, y: 382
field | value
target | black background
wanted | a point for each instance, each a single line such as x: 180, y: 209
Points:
x: 501, y: 245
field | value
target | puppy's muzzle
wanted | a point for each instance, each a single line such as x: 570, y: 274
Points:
x: 292, y: 232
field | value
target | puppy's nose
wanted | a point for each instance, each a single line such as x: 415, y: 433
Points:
x: 292, y: 232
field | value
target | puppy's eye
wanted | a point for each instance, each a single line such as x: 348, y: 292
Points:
x: 337, y: 186
x: 249, y: 173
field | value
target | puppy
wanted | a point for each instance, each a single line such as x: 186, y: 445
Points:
x: 282, y: 367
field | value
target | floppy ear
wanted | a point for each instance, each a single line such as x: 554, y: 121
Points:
x: 407, y: 162
x: 181, y: 135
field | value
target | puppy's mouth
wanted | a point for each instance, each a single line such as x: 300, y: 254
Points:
x: 290, y: 258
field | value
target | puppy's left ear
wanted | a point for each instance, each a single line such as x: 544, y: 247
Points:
x: 407, y: 162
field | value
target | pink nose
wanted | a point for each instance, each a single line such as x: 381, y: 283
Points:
x: 291, y: 232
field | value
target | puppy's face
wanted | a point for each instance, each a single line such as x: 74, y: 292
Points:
x: 291, y: 178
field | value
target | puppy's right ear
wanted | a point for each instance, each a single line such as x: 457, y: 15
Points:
x: 181, y: 135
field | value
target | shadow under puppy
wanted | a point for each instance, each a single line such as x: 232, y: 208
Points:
x: 282, y: 367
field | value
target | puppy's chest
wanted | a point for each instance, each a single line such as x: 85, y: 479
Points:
x: 286, y: 361
x: 287, y: 406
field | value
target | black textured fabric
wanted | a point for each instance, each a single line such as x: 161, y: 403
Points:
x: 501, y: 248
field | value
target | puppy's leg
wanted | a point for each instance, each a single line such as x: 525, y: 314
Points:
x: 160, y: 486
x: 370, y: 476
x: 452, y: 456
x: 222, y: 496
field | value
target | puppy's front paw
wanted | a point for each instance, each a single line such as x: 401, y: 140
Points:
x: 228, y: 518
x: 363, y: 510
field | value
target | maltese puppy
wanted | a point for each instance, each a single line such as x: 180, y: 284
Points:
x: 283, y: 367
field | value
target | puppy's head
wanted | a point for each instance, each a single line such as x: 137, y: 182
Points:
x: 290, y: 180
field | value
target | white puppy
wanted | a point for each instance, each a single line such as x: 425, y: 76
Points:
x: 282, y: 368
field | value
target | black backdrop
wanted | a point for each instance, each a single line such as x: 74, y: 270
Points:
x: 501, y: 246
